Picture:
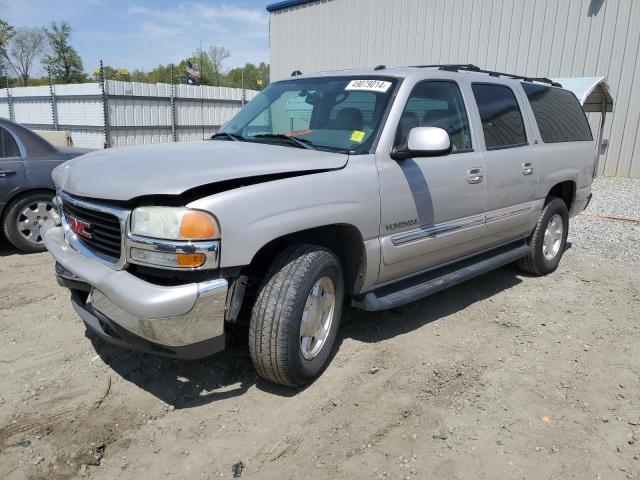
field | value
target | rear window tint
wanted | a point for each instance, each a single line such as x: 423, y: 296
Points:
x: 558, y: 113
x: 500, y: 114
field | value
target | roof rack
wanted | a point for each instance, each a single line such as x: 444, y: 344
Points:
x: 473, y: 68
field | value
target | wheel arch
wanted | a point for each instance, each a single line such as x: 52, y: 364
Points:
x: 345, y: 240
x: 565, y: 190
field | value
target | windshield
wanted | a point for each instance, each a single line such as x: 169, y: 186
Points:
x: 341, y: 114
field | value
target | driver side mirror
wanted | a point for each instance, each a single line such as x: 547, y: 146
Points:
x: 423, y: 142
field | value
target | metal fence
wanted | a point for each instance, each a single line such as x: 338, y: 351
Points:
x: 124, y: 113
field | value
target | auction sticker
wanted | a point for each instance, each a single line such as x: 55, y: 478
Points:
x: 369, y: 85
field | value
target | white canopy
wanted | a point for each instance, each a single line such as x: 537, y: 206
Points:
x: 593, y: 92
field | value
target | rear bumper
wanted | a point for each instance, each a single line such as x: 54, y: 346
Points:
x: 184, y: 321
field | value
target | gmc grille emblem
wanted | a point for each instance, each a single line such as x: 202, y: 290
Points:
x: 79, y: 227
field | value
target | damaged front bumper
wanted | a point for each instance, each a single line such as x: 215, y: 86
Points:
x: 184, y: 321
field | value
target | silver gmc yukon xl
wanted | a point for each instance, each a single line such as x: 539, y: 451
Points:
x: 378, y: 187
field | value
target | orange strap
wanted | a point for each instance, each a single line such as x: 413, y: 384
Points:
x: 611, y: 217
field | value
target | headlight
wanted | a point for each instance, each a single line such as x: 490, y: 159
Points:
x: 174, y: 223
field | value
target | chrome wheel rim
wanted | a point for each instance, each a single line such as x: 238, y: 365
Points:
x: 317, y: 317
x: 553, y: 237
x: 31, y: 218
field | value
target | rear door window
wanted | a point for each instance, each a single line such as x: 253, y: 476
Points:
x: 558, y: 113
x: 500, y: 114
x: 8, y: 145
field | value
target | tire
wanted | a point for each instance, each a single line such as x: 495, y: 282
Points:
x: 33, y: 209
x: 544, y: 258
x: 280, y: 351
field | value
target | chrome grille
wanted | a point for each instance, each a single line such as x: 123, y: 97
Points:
x: 102, y: 231
x: 106, y: 236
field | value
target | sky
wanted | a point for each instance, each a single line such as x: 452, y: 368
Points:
x: 145, y: 33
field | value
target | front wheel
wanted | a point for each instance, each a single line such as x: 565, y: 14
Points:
x: 296, y: 315
x: 548, y: 239
x: 23, y: 220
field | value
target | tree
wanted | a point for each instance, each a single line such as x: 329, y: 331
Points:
x: 23, y: 48
x: 111, y: 73
x: 63, y: 60
x: 255, y: 78
x: 217, y: 55
x: 6, y: 31
x: 200, y: 58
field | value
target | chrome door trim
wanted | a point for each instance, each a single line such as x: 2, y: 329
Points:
x: 437, y: 229
x: 434, y: 230
x: 509, y: 212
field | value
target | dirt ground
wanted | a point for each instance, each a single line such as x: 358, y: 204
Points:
x: 504, y: 377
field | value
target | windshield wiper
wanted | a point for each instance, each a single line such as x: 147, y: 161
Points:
x: 232, y: 136
x: 302, y: 143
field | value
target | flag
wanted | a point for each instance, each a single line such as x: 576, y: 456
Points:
x: 193, y: 70
x: 191, y: 81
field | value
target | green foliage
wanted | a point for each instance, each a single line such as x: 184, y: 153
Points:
x: 6, y: 31
x: 63, y: 60
x: 111, y: 73
x: 255, y: 78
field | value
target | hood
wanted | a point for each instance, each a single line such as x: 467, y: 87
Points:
x: 171, y: 169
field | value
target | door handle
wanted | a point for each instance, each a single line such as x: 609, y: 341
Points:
x: 475, y: 175
x: 7, y: 173
x: 527, y: 168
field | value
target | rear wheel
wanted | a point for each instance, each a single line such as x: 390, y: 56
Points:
x: 23, y: 219
x: 548, y: 239
x: 296, y: 315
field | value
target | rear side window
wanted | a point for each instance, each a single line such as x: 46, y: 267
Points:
x: 500, y: 114
x: 558, y: 113
x: 8, y: 146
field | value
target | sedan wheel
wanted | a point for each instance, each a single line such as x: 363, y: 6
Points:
x: 31, y: 218
x: 25, y: 217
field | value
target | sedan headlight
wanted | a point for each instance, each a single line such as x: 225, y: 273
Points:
x: 173, y: 223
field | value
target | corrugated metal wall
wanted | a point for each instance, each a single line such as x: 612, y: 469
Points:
x: 554, y: 38
x: 138, y: 113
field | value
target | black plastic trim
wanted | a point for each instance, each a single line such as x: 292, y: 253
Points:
x: 117, y: 335
x: 418, y: 287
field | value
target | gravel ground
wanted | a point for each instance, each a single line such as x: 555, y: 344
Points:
x: 613, y: 240
x: 506, y: 376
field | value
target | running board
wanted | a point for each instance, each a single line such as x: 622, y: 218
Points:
x: 415, y: 288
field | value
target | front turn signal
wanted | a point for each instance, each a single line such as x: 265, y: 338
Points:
x: 197, y: 225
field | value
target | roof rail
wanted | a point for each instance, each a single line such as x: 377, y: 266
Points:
x: 473, y: 68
